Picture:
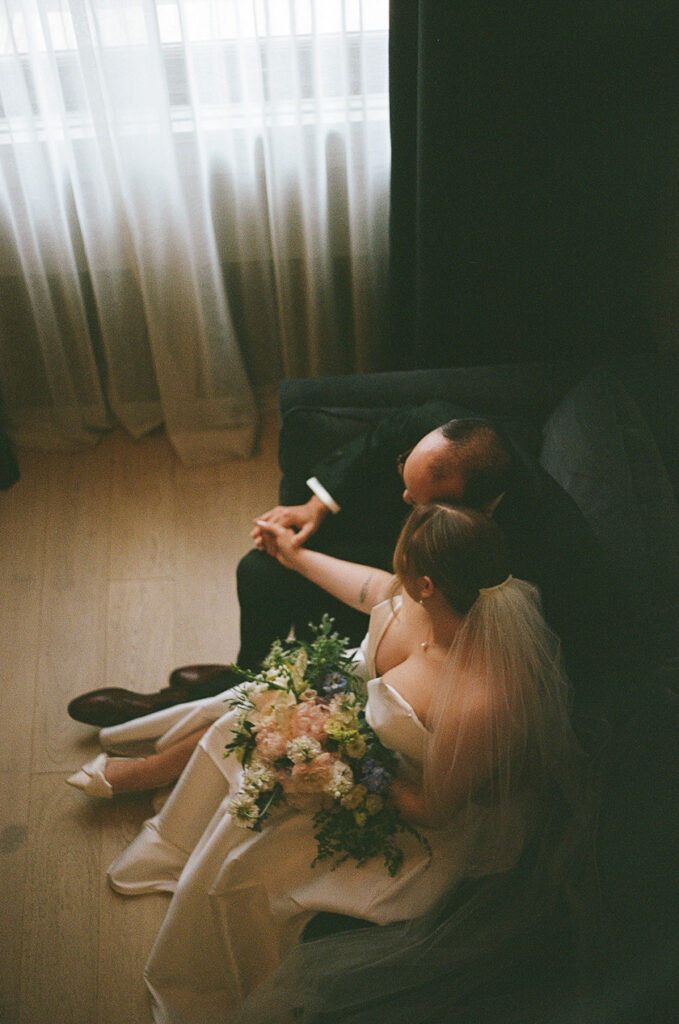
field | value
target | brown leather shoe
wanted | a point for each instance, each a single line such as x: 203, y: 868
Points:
x: 204, y: 680
x: 113, y: 705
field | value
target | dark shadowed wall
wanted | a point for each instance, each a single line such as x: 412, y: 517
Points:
x: 534, y: 185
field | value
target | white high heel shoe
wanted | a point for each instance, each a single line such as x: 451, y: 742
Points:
x: 91, y: 778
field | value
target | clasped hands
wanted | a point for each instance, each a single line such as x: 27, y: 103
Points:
x: 282, y: 530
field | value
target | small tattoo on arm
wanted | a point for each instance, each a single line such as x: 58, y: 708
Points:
x: 364, y: 589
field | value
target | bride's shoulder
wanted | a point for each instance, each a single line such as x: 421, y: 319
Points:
x: 387, y: 606
x: 414, y: 680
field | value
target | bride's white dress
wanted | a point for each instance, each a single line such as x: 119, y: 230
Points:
x: 242, y: 898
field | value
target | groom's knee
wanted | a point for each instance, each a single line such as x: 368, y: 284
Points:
x: 259, y: 577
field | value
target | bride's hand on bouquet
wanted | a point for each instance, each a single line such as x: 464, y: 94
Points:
x: 303, y: 520
x: 409, y: 801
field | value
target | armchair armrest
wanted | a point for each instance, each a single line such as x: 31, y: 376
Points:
x: 512, y: 390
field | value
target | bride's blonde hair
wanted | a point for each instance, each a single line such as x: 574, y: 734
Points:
x: 462, y: 551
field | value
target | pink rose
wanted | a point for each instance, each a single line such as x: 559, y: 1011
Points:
x: 312, y: 776
x: 271, y: 743
x: 308, y: 719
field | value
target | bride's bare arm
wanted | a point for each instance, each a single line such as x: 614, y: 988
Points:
x: 359, y: 586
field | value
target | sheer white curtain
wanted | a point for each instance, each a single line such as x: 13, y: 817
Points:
x: 193, y: 193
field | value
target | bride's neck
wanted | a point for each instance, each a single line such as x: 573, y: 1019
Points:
x: 443, y: 624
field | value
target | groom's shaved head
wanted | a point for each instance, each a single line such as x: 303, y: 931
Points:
x: 466, y: 461
x: 485, y: 457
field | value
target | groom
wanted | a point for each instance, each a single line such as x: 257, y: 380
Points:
x: 358, y: 497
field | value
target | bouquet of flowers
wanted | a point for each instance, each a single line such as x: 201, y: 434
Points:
x: 303, y: 740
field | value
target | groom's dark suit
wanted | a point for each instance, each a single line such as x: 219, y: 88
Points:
x: 549, y: 541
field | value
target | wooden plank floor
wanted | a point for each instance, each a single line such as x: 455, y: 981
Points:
x: 116, y: 565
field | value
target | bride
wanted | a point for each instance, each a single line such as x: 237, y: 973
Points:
x: 464, y: 681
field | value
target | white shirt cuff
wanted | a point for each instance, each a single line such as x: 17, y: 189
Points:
x: 320, y: 492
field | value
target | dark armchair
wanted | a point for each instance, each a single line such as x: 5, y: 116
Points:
x: 610, y: 440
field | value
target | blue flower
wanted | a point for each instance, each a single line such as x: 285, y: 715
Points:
x: 334, y: 683
x: 375, y: 776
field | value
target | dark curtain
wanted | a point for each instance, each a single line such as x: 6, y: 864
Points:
x: 9, y: 468
x: 534, y: 156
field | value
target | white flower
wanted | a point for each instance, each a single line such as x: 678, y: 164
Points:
x: 244, y: 809
x: 303, y: 748
x: 342, y: 780
x: 343, y: 708
x: 256, y: 778
x: 275, y: 677
x: 242, y: 719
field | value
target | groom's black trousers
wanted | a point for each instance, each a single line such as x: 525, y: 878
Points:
x: 273, y: 599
